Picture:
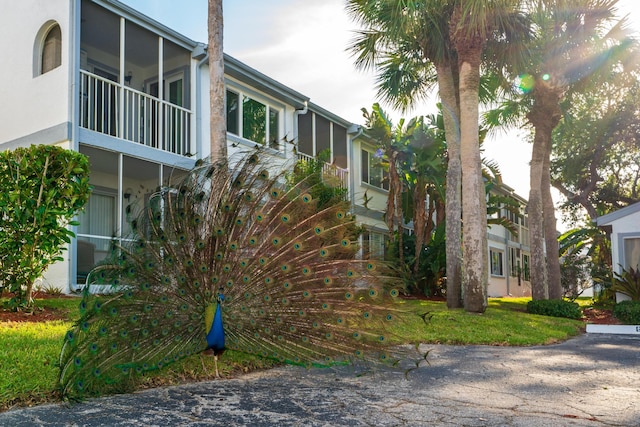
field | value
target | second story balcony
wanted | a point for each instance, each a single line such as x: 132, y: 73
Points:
x: 135, y: 81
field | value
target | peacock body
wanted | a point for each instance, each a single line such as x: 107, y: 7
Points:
x: 232, y: 259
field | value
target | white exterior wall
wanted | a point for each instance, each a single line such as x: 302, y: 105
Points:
x: 377, y: 196
x: 30, y: 104
x: 628, y: 226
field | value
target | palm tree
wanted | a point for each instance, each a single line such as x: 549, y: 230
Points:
x: 409, y: 41
x: 575, y: 43
x: 218, y: 124
x: 473, y: 23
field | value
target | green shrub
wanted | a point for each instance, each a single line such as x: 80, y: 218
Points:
x: 628, y: 312
x: 43, y: 188
x: 555, y: 308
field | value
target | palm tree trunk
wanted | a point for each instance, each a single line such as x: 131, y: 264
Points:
x: 544, y: 116
x: 453, y: 207
x: 550, y: 232
x: 218, y: 124
x: 474, y: 217
x: 538, y: 267
x: 420, y: 218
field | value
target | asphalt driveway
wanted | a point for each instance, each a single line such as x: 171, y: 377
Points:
x: 591, y: 380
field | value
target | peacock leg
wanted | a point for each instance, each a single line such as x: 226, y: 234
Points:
x: 215, y: 363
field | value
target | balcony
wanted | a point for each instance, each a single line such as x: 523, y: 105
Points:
x: 331, y: 174
x: 117, y: 110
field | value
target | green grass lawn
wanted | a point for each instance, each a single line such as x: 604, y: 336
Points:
x: 29, y: 351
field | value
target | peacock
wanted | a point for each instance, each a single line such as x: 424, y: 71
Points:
x: 232, y: 258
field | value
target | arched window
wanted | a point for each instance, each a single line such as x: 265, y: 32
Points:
x: 52, y: 49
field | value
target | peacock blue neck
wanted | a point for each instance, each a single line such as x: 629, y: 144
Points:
x: 215, y: 329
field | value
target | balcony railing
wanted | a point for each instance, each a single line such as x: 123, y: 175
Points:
x: 113, y: 109
x: 331, y: 174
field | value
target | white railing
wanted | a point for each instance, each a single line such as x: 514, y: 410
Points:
x: 110, y: 108
x: 329, y: 171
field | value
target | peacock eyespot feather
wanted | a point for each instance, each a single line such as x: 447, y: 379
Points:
x: 83, y: 306
x: 182, y: 238
x: 316, y: 325
x: 165, y: 332
x: 381, y: 338
x: 113, y: 311
x: 200, y: 244
x: 328, y: 335
x: 184, y: 307
x: 80, y: 385
x: 233, y: 246
x: 77, y: 362
x: 318, y: 229
x: 124, y: 333
x: 197, y: 219
x: 188, y: 263
x: 268, y: 280
x: 249, y: 197
x: 279, y: 320
x: 239, y: 221
x: 227, y: 208
x: 219, y: 231
x: 97, y: 372
x: 229, y: 284
x: 306, y: 198
x: 256, y: 335
x: 275, y: 194
x: 286, y: 285
x: 328, y: 280
x: 177, y: 324
x: 226, y: 268
x: 133, y: 318
x: 196, y: 284
x: 356, y: 335
x: 145, y: 287
x: 275, y: 241
x: 389, y: 317
x: 285, y: 301
x: 168, y: 260
x: 383, y: 357
x: 305, y: 339
x: 306, y: 294
x: 164, y: 299
x: 292, y: 329
x: 263, y: 261
x: 345, y: 243
x: 156, y: 342
x: 297, y: 246
x: 339, y: 214
x: 84, y: 325
x: 267, y: 330
x: 154, y: 322
x: 215, y: 279
x: 219, y: 256
x: 103, y: 330
x: 135, y: 345
x: 169, y: 314
x: 246, y: 279
x: 285, y: 218
x: 302, y: 313
x: 306, y: 271
x: 366, y: 315
x: 371, y: 266
x: 325, y: 306
x: 264, y: 174
x: 373, y: 293
x: 323, y: 253
x: 348, y: 295
x: 339, y: 320
x: 203, y: 268
x: 357, y: 353
x: 165, y: 280
x: 145, y: 332
x: 247, y: 295
x: 260, y: 217
x: 393, y: 292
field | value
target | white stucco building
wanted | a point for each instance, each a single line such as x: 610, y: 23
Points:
x: 100, y: 78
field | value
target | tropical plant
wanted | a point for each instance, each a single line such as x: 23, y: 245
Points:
x: 628, y: 312
x: 627, y: 282
x: 43, y: 188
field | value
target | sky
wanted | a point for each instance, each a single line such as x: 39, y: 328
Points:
x: 303, y: 45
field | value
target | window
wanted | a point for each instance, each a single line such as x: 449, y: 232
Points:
x: 496, y: 262
x: 632, y: 253
x: 373, y: 244
x: 51, y: 50
x: 514, y: 262
x: 372, y: 172
x: 525, y: 267
x: 253, y: 120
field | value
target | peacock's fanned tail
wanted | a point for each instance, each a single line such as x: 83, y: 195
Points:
x: 283, y: 268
